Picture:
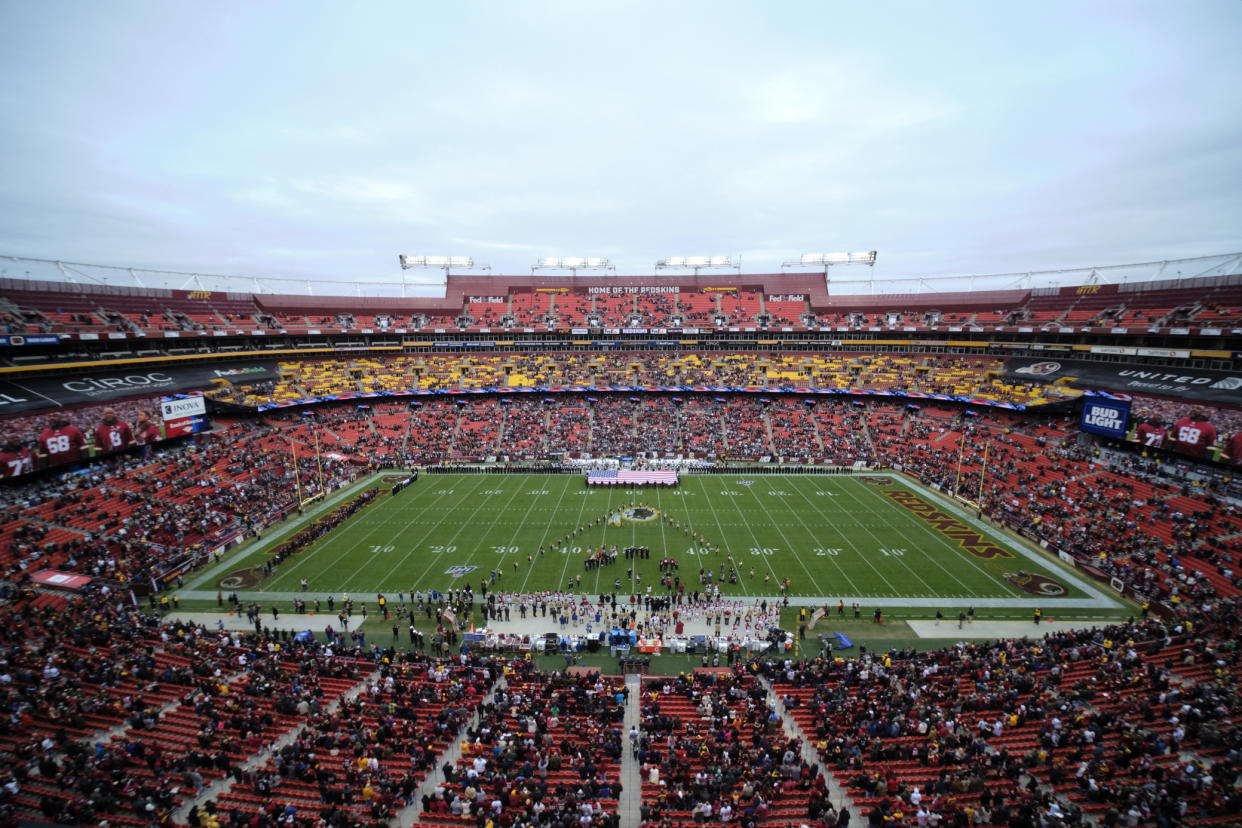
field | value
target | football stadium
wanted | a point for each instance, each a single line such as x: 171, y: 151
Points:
x: 650, y: 506
x: 368, y: 460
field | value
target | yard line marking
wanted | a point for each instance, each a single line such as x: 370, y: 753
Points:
x: 827, y: 526
x: 565, y: 553
x: 900, y: 560
x: 418, y: 544
x: 544, y: 537
x: 850, y: 543
x: 785, y: 538
x: 361, y: 541
x: 754, y: 538
x: 464, y: 524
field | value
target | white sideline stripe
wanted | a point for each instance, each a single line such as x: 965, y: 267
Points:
x: 1000, y: 629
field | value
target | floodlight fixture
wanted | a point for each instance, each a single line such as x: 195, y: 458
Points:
x: 830, y: 260
x: 866, y: 257
x: 445, y: 263
x: 440, y: 262
x: 572, y: 263
x: 697, y: 263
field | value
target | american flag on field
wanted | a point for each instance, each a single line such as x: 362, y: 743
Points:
x: 625, y: 477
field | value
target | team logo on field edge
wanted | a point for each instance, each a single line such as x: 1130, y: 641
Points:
x: 876, y: 481
x: 640, y: 514
x: 459, y: 570
x: 241, y: 579
x: 1035, y: 584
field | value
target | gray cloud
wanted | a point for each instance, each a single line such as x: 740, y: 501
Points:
x: 319, y: 140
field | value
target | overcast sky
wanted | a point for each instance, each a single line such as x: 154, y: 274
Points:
x: 322, y: 139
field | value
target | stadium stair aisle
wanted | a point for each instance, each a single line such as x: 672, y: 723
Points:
x: 629, y: 804
x: 819, y: 438
x: 409, y: 815
x: 866, y: 432
x: 836, y: 793
x: 405, y: 432
x: 222, y: 786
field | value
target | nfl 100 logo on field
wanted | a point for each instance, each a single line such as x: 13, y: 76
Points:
x: 1105, y: 417
x: 459, y: 570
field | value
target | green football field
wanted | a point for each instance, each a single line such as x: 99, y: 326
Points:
x: 870, y: 539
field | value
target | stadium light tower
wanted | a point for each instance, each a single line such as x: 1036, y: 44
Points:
x: 573, y: 264
x: 830, y: 260
x: 445, y: 263
x: 697, y: 263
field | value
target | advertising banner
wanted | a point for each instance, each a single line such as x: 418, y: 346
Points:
x: 34, y: 393
x: 1105, y: 415
x: 184, y: 415
x: 1189, y: 383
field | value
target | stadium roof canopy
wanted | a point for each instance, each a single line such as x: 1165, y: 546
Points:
x: 839, y: 284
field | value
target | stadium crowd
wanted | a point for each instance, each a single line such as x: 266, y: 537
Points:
x: 94, y: 310
x: 133, y: 517
x: 117, y: 716
x: 1131, y: 725
x: 972, y: 377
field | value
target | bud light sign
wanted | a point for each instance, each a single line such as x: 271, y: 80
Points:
x: 1105, y: 417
